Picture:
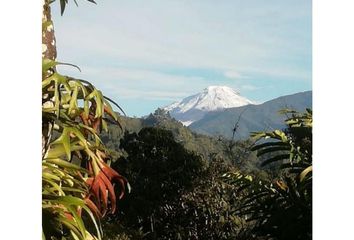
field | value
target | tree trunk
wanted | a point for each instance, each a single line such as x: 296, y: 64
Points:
x: 48, y: 38
x: 49, y: 51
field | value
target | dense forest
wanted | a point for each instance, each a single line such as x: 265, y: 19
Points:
x: 190, y: 186
x: 106, y: 176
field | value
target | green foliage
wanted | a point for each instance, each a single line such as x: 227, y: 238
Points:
x: 63, y: 4
x: 159, y: 169
x: 281, y: 208
x: 74, y: 161
x: 175, y: 195
x: 201, y: 209
x: 78, y: 186
x: 240, y: 154
x: 205, y: 211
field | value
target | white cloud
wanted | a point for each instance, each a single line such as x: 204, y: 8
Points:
x: 199, y: 34
x: 131, y: 83
x: 232, y: 74
x: 129, y: 93
x: 249, y: 87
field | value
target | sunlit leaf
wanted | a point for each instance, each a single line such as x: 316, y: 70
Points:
x: 304, y: 173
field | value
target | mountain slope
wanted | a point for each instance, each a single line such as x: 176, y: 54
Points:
x: 208, y: 147
x: 212, y: 98
x: 252, y: 117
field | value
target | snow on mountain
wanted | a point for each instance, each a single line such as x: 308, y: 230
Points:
x: 212, y: 98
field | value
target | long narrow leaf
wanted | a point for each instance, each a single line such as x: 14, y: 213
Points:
x: 275, y: 159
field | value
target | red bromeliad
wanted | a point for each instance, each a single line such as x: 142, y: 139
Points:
x: 102, y: 184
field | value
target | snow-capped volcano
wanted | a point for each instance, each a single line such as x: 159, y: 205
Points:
x: 212, y: 98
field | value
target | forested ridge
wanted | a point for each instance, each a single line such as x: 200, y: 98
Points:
x: 207, y: 147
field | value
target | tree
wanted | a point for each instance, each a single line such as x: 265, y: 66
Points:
x: 205, y: 211
x: 174, y: 194
x: 282, y: 208
x: 77, y: 183
x: 159, y: 170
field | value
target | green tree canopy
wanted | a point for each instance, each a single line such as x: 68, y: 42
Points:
x: 159, y: 170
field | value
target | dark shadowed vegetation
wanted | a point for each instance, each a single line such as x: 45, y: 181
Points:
x: 255, y: 189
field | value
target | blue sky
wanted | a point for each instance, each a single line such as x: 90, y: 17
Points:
x: 146, y: 54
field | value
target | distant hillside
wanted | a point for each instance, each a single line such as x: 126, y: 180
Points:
x: 208, y: 147
x: 252, y: 117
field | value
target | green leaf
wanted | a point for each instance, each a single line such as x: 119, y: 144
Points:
x: 91, y: 95
x: 268, y: 144
x: 86, y: 108
x: 73, y: 234
x: 65, y: 164
x: 272, y: 149
x: 79, y: 135
x: 114, y: 103
x: 71, y: 189
x: 47, y: 176
x: 58, y: 150
x: 62, y: 6
x: 73, y: 102
x: 282, y: 136
x: 98, y: 229
x: 99, y: 104
x: 69, y: 200
x: 257, y: 135
x: 55, y: 186
x: 70, y: 225
x: 275, y: 159
x: 47, y: 64
x: 69, y: 64
x: 64, y: 139
x: 78, y: 220
x: 304, y: 173
x: 104, y: 125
